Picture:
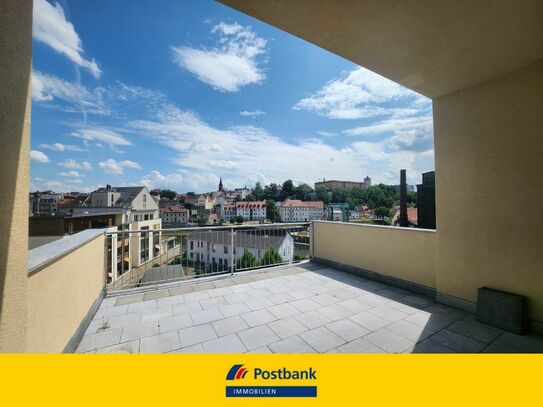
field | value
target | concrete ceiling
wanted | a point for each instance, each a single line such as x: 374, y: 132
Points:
x: 431, y: 46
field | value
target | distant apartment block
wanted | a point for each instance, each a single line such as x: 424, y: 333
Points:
x: 174, y: 215
x: 335, y: 184
x: 213, y: 248
x: 251, y: 210
x: 44, y: 203
x: 227, y: 212
x: 294, y: 210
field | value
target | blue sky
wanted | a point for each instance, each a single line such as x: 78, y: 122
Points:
x: 179, y: 94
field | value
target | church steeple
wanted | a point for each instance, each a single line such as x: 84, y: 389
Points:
x: 220, y: 185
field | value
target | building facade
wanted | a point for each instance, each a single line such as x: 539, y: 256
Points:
x: 294, y: 210
x: 335, y: 184
x: 174, y: 215
x: 251, y: 210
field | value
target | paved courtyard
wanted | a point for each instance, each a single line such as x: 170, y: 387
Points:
x: 297, y: 309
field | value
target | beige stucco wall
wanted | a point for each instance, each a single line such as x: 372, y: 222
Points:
x: 61, y: 294
x: 407, y: 254
x: 15, y: 68
x: 489, y: 173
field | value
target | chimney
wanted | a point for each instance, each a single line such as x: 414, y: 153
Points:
x: 403, y: 200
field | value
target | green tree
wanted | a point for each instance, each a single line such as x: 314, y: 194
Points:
x: 270, y: 192
x: 239, y: 219
x: 190, y: 193
x: 247, y: 260
x: 287, y: 189
x: 168, y: 193
x: 382, y: 211
x: 271, y: 256
x: 322, y: 195
x: 302, y: 191
x: 258, y: 192
x: 202, y: 219
x: 271, y: 211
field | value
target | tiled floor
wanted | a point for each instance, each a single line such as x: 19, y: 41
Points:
x: 291, y: 310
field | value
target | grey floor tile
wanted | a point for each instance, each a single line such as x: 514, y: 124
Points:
x: 153, y: 295
x: 322, y: 339
x: 139, y: 331
x: 190, y: 349
x: 196, y: 334
x: 209, y: 315
x: 121, y: 321
x: 325, y: 299
x: 312, y: 319
x: 155, y: 314
x: 196, y: 296
x: 354, y: 305
x: 161, y: 343
x: 429, y: 346
x: 335, y: 311
x: 389, y: 341
x: 126, y: 347
x: 259, y: 303
x: 294, y: 344
x: 229, y: 325
x: 359, y: 345
x: 388, y: 313
x: 261, y: 350
x: 234, y: 309
x: 369, y: 321
x: 184, y: 289
x: 347, y: 329
x: 186, y: 308
x: 417, y: 301
x: 415, y: 333
x: 457, y: 342
x: 213, y: 302
x: 305, y: 304
x: 143, y: 305
x: 529, y: 343
x: 174, y: 323
x: 259, y: 317
x: 107, y: 337
x: 287, y: 327
x: 283, y: 310
x: 428, y: 321
x: 171, y: 300
x: 219, y: 292
x: 237, y: 297
x: 109, y: 312
x: 225, y: 344
x: 445, y: 313
x: 258, y: 336
x: 129, y: 299
x: 475, y: 330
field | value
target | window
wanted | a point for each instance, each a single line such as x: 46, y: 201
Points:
x: 225, y: 249
x: 192, y: 245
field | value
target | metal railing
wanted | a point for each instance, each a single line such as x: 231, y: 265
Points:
x: 139, y: 258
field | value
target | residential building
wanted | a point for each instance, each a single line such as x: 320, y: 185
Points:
x: 213, y: 248
x: 412, y: 216
x: 242, y: 192
x: 295, y: 210
x: 227, y: 212
x: 335, y: 184
x: 44, y: 203
x: 251, y: 210
x: 174, y: 215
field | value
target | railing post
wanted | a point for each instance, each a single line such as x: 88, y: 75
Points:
x: 232, y: 258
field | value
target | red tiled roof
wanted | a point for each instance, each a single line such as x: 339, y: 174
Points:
x: 175, y: 208
x: 251, y: 204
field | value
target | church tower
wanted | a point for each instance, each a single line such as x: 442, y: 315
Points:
x: 220, y: 185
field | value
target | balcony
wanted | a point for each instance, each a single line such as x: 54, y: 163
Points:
x: 306, y: 308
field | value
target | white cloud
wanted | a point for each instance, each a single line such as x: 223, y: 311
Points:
x: 247, y: 154
x: 117, y: 167
x: 51, y: 27
x: 70, y: 174
x: 47, y: 88
x: 71, y: 164
x: 157, y: 180
x: 39, y: 157
x: 418, y: 139
x: 130, y: 164
x: 360, y: 94
x: 390, y: 126
x: 61, y: 147
x: 101, y: 134
x: 231, y: 64
x: 253, y: 113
